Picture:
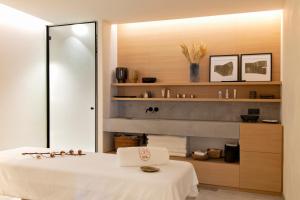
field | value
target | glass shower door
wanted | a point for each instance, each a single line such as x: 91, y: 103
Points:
x: 72, y: 87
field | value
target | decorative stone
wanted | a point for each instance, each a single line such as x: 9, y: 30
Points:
x: 62, y: 153
x: 71, y: 152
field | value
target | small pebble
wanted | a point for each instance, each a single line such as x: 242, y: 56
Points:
x: 71, y: 152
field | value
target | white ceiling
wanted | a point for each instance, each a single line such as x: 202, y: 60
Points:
x: 119, y: 11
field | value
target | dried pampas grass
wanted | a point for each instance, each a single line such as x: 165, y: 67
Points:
x: 194, y: 55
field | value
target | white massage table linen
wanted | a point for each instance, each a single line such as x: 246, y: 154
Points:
x: 90, y: 177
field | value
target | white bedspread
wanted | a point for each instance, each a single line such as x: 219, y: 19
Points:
x: 94, y: 176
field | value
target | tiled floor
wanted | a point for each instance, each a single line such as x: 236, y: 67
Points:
x: 218, y: 194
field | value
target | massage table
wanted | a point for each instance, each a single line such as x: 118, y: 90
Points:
x: 95, y: 176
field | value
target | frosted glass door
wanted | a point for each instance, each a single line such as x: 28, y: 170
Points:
x: 72, y: 83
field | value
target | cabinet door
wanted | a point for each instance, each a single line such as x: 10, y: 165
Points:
x: 261, y: 138
x: 222, y: 174
x: 261, y: 171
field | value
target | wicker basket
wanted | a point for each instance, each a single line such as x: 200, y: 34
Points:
x: 214, y: 153
x: 198, y: 157
x: 126, y: 141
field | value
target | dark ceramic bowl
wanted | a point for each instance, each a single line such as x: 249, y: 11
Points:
x: 250, y: 118
x: 148, y: 79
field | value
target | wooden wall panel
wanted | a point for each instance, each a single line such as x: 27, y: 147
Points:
x: 153, y: 48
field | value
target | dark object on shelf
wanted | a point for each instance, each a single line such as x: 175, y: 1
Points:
x: 253, y: 111
x: 270, y: 121
x: 252, y: 95
x: 250, y: 118
x: 121, y: 74
x: 124, y: 96
x: 126, y: 141
x: 214, y: 153
x: 148, y: 79
x: 200, y: 157
x: 194, y: 72
x: 253, y: 115
x: 232, y: 153
x: 149, y: 169
x: 267, y: 96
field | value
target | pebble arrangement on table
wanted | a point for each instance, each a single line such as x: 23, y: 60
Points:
x: 40, y: 155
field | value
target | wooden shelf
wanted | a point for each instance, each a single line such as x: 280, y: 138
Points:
x: 190, y: 159
x: 199, y: 100
x: 273, y: 83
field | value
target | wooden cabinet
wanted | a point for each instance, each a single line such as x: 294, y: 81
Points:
x: 261, y: 171
x: 223, y: 174
x: 261, y: 157
x: 215, y: 172
x: 261, y: 138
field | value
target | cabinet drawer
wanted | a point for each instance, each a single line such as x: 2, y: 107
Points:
x: 222, y: 174
x: 261, y: 138
x: 261, y: 171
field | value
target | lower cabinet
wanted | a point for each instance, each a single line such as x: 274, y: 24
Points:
x: 260, y: 166
x: 213, y: 173
x: 261, y: 157
x: 261, y: 171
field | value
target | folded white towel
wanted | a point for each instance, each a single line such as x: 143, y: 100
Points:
x: 140, y: 156
x: 200, y: 153
x: 177, y: 154
x: 167, y: 144
x: 170, y: 148
x: 168, y: 139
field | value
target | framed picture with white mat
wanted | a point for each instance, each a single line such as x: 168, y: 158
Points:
x: 223, y: 68
x: 256, y: 67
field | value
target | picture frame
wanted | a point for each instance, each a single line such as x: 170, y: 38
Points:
x: 256, y: 67
x: 224, y: 68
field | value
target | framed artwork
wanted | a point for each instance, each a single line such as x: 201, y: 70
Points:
x: 223, y: 68
x: 256, y: 67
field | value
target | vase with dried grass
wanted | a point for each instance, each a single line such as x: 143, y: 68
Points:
x: 194, y: 56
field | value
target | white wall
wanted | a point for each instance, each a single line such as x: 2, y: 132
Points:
x: 22, y: 80
x: 107, y: 62
x: 291, y: 100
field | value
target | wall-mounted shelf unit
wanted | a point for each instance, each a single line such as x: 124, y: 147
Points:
x: 203, y: 91
x: 207, y: 120
x: 273, y: 83
x: 199, y: 100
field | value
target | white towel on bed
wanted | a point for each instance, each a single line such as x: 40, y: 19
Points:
x: 141, y: 156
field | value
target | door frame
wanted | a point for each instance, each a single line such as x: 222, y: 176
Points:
x: 48, y: 38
